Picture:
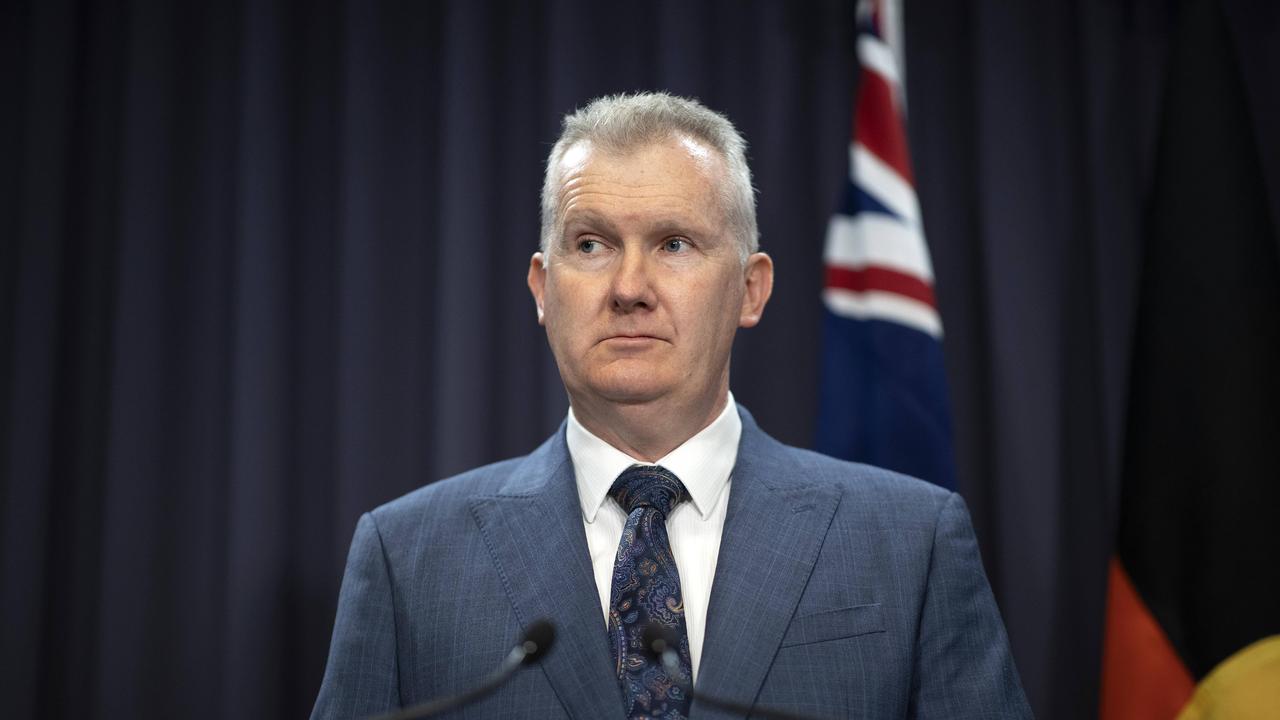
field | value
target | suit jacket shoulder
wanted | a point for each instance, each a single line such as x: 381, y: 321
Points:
x: 441, y: 583
x: 895, y: 491
x: 858, y: 581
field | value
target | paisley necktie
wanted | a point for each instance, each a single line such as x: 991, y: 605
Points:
x: 646, y: 589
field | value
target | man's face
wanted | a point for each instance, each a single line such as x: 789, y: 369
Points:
x: 643, y: 289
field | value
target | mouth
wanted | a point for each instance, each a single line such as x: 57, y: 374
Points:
x: 631, y: 339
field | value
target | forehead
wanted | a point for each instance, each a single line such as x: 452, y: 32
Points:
x: 675, y: 176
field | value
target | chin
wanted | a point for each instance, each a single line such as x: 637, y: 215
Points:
x: 628, y: 395
x: 627, y: 388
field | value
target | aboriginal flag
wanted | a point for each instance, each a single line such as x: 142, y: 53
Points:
x: 1193, y: 626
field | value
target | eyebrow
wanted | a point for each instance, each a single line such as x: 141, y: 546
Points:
x: 589, y: 219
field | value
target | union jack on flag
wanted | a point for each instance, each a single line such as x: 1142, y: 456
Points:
x: 884, y: 393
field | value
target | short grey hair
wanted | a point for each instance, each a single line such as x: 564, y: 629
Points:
x: 623, y: 123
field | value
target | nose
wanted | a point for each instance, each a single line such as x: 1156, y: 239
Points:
x: 631, y: 288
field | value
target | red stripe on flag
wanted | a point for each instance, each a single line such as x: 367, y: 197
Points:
x: 876, y: 124
x: 874, y: 11
x: 883, y: 279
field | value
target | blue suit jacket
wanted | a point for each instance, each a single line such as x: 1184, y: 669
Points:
x: 841, y: 590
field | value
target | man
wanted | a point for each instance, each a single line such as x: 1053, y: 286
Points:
x: 789, y: 580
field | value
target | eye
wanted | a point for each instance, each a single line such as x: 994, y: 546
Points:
x: 675, y: 245
x: 588, y: 246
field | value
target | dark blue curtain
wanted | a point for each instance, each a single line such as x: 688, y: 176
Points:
x: 262, y: 268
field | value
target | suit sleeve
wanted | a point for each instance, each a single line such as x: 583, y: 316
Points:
x: 964, y: 667
x: 362, y: 676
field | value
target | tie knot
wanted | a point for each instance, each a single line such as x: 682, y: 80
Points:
x: 648, y: 486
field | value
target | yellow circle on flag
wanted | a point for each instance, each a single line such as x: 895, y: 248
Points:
x: 1244, y: 686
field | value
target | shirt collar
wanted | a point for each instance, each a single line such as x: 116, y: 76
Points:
x: 703, y: 462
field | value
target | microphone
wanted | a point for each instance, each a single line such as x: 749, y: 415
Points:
x: 661, y: 644
x: 535, y: 643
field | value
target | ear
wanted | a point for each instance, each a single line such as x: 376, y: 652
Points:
x: 759, y: 279
x: 538, y: 282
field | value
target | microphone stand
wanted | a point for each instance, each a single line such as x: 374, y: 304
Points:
x: 535, y: 643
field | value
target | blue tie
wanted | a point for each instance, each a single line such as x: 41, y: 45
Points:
x: 646, y: 589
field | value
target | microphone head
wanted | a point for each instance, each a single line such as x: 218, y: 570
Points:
x: 658, y: 639
x: 537, y: 640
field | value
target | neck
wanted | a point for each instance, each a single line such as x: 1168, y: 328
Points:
x: 649, y: 431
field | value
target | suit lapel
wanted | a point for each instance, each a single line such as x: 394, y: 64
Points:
x: 533, y: 529
x: 773, y: 531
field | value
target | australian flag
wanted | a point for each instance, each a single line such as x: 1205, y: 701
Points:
x: 884, y: 392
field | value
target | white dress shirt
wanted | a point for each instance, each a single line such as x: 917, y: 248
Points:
x: 703, y: 464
